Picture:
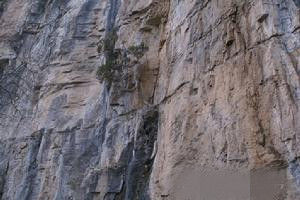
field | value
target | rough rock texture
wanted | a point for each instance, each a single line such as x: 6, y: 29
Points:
x: 217, y: 88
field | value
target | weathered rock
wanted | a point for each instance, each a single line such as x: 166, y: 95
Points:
x: 218, y: 88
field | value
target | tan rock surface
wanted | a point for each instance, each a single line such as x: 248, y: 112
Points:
x: 217, y: 88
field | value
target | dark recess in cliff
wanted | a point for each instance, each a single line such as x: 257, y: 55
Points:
x: 141, y: 163
x: 297, y: 2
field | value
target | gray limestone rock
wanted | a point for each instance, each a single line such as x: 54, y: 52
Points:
x: 217, y: 89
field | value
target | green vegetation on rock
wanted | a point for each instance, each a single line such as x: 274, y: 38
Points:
x: 116, y: 59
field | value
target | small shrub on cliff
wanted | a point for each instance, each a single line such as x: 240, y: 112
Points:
x: 139, y: 50
x: 105, y: 72
x: 116, y: 59
x: 110, y: 41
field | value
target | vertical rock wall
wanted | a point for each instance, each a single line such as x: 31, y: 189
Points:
x: 189, y: 84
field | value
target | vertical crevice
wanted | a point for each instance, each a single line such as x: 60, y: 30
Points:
x: 28, y: 183
x: 297, y: 3
x: 140, y: 166
x: 112, y: 15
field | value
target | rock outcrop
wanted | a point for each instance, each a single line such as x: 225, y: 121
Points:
x: 114, y: 99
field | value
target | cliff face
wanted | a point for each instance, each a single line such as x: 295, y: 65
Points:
x: 183, y: 84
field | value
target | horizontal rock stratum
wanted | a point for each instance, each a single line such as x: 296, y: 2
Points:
x: 149, y: 99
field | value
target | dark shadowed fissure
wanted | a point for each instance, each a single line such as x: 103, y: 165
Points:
x: 3, y: 167
x: 297, y: 3
x: 129, y: 180
x: 294, y: 168
x: 140, y: 165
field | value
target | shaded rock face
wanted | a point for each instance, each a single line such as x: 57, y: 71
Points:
x: 217, y: 88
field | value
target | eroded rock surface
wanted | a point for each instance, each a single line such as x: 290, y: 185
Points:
x: 216, y: 88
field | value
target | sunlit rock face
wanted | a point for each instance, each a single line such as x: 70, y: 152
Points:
x: 119, y: 99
